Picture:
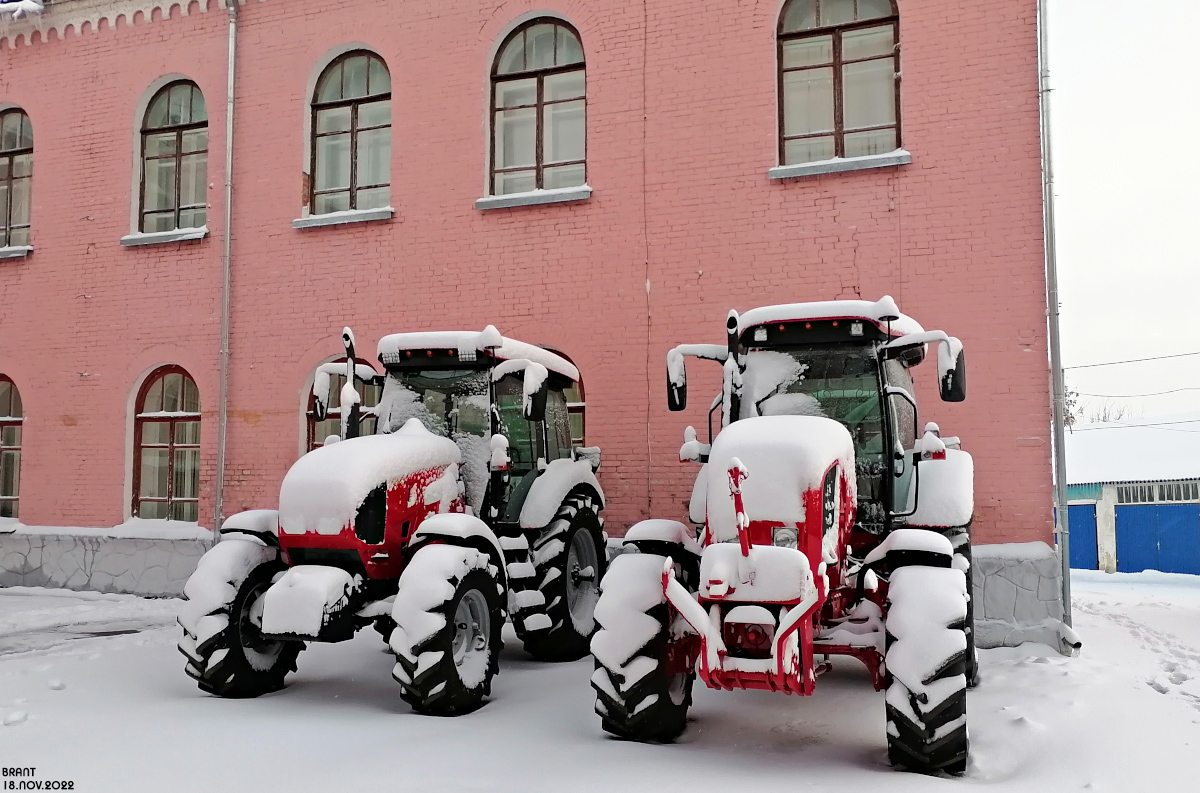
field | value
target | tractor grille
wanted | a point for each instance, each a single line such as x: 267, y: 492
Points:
x: 345, y: 558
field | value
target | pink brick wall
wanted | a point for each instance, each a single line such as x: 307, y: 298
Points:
x: 683, y: 225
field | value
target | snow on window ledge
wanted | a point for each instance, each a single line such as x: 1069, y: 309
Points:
x: 132, y: 529
x: 15, y: 251
x: 535, y: 197
x: 348, y: 216
x: 162, y: 237
x: 841, y: 165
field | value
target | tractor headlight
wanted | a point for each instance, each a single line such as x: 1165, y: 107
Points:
x: 784, y: 537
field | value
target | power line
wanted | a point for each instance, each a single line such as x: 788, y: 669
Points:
x: 1137, y: 426
x: 1132, y: 360
x: 1136, y: 396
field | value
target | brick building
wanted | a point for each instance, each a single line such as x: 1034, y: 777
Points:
x: 730, y: 155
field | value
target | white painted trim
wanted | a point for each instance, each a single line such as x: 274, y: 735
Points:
x: 163, y: 237
x: 534, y: 198
x: 340, y: 218
x: 841, y: 165
x: 16, y: 251
x: 310, y: 89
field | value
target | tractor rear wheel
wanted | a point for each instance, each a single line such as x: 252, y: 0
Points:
x: 926, y: 667
x: 222, y: 621
x: 643, y: 678
x: 568, y: 557
x: 447, y: 641
x: 961, y: 540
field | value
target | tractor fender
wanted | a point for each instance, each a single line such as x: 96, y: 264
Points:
x: 553, y: 485
x: 255, y: 525
x: 462, y: 529
x: 945, y: 492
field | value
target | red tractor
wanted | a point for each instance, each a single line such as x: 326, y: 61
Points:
x: 827, y: 525
x: 468, y: 505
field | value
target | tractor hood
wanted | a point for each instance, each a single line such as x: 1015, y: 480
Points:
x: 325, y: 487
x: 784, y: 456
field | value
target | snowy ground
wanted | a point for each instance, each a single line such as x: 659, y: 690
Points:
x: 92, y: 690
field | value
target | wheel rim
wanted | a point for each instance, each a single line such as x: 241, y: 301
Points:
x: 260, y: 652
x: 583, y: 562
x: 472, y: 634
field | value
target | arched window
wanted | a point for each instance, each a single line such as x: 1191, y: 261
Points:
x: 839, y: 90
x: 166, y: 471
x: 175, y: 160
x: 16, y: 174
x: 369, y: 393
x: 352, y: 135
x: 12, y: 416
x: 539, y: 129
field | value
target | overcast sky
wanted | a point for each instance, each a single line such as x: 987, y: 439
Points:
x: 1125, y: 110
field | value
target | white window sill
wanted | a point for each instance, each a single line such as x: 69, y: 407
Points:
x: 16, y: 251
x: 534, y: 198
x: 162, y: 237
x: 841, y: 165
x: 340, y: 218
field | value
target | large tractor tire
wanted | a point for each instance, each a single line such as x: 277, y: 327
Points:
x: 222, y: 622
x: 960, y: 538
x: 926, y: 667
x: 643, y: 681
x: 448, y: 614
x: 568, y: 557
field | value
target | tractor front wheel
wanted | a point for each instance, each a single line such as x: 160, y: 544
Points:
x: 644, y: 669
x: 926, y: 666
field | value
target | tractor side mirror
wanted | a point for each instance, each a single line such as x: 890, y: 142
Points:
x: 537, y: 388
x: 676, y: 381
x: 952, y: 371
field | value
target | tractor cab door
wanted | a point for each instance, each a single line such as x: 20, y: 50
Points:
x: 529, y: 441
x: 902, y: 436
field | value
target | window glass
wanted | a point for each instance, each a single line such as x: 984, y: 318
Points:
x: 838, y: 89
x: 352, y: 135
x: 167, y: 453
x: 539, y: 126
x: 16, y: 168
x: 11, y: 414
x: 175, y: 160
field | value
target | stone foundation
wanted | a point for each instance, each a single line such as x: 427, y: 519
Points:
x: 157, y: 565
x: 1018, y: 596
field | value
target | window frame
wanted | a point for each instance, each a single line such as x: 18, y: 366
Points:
x: 539, y: 106
x: 180, y: 130
x: 17, y: 421
x: 836, y: 65
x: 9, y: 155
x: 315, y: 106
x: 139, y: 423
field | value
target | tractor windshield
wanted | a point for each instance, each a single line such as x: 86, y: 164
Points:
x: 448, y: 402
x: 840, y: 382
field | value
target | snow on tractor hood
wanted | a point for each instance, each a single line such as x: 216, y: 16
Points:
x: 785, y: 456
x: 832, y: 309
x: 324, y: 488
x: 391, y: 347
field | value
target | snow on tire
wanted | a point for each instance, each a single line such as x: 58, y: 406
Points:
x: 448, y: 618
x: 926, y: 667
x: 960, y: 538
x: 642, y: 681
x: 222, y: 621
x: 568, y: 557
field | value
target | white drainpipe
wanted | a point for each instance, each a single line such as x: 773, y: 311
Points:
x: 1056, y: 371
x: 223, y: 381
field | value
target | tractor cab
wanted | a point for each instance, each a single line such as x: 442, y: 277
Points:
x: 848, y: 360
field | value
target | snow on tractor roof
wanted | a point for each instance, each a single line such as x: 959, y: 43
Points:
x: 325, y: 487
x: 832, y: 309
x: 785, y: 456
x: 390, y: 347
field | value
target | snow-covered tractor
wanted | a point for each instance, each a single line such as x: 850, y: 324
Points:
x: 826, y: 525
x: 468, y: 505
